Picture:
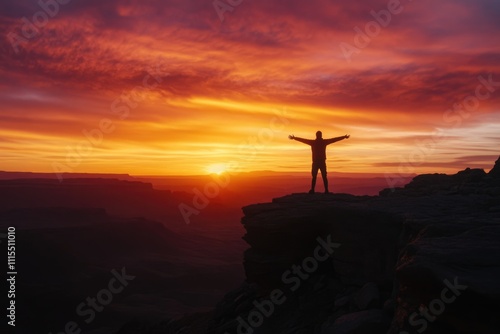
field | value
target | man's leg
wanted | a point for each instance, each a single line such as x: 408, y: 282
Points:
x: 323, y: 175
x: 314, y: 172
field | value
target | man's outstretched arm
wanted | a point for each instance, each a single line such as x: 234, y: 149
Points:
x: 336, y: 139
x: 302, y: 140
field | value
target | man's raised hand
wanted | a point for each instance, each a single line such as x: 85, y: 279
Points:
x: 291, y: 137
x: 347, y: 136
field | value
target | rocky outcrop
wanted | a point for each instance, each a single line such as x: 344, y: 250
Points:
x: 422, y: 257
x: 495, y: 171
x: 285, y: 232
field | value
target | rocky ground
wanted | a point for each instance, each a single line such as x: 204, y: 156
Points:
x: 423, y: 258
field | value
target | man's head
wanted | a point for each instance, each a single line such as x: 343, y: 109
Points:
x: 319, y: 135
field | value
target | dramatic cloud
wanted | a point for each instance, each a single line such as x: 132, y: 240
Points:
x: 167, y: 87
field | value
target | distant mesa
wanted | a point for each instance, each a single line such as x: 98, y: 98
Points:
x: 5, y: 175
x: 117, y: 197
x: 467, y: 181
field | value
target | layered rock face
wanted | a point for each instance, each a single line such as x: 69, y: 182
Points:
x: 290, y: 227
x: 425, y: 257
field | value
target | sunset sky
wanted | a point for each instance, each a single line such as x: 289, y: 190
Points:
x: 225, y: 94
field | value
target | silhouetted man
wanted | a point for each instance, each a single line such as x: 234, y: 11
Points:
x: 318, y: 148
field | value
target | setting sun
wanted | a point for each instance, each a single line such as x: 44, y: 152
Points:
x: 216, y: 169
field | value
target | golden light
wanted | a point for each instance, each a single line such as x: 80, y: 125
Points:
x: 216, y: 169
